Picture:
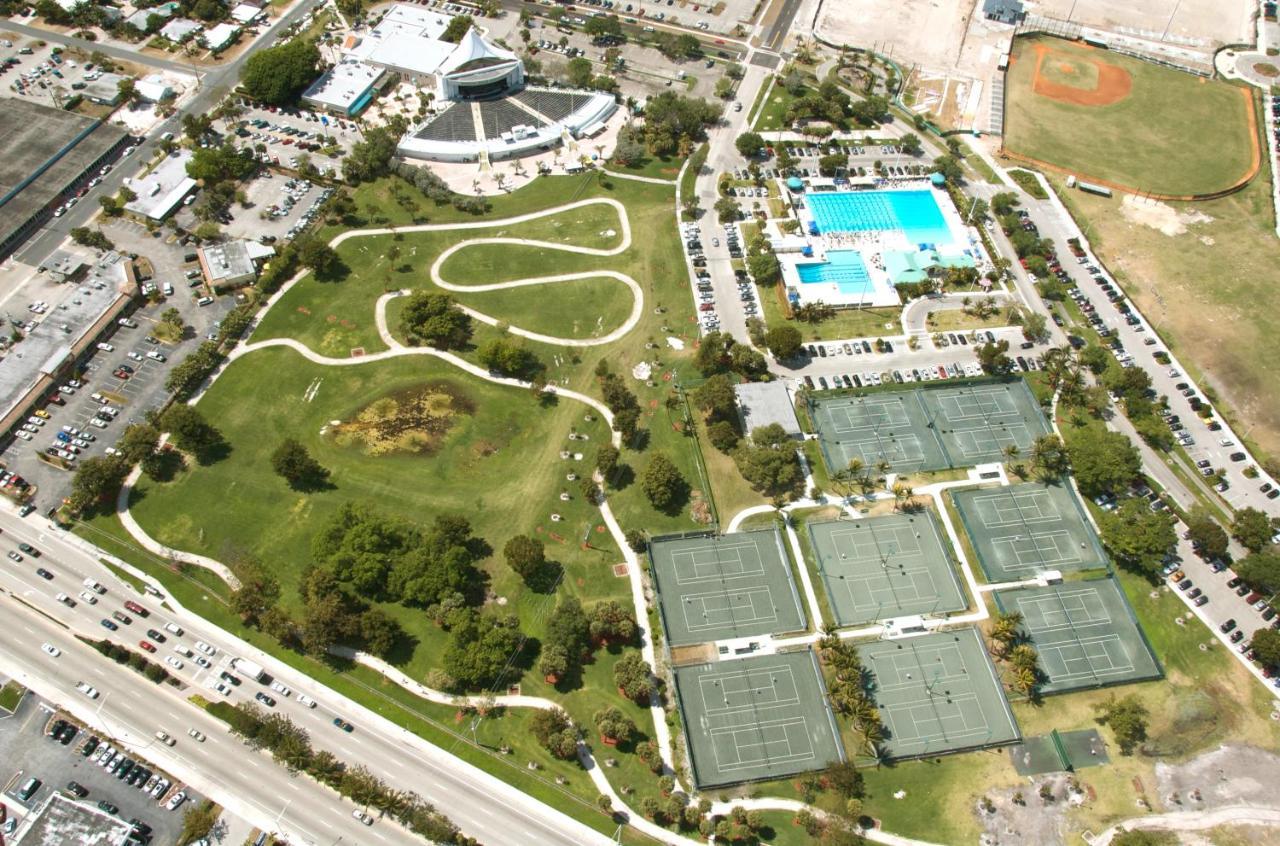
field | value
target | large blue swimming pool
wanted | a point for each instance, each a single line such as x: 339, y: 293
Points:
x: 914, y: 212
x: 843, y: 267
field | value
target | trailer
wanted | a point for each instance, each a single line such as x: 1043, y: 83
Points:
x: 249, y: 669
x: 1091, y: 188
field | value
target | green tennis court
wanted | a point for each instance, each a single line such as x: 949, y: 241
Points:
x: 761, y: 717
x: 927, y: 427
x: 1021, y: 530
x: 878, y: 568
x: 719, y: 587
x: 1085, y: 633
x: 977, y: 422
x: 937, y: 693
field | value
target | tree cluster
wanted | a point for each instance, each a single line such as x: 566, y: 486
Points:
x: 1127, y: 719
x: 1137, y: 537
x: 619, y: 399
x: 292, y: 462
x: 719, y: 352
x: 634, y: 677
x: 769, y: 462
x: 848, y: 692
x: 509, y: 358
x: 1104, y: 462
x: 186, y: 377
x: 97, y: 479
x: 277, y: 75
x: 434, y: 320
x: 555, y: 732
x: 673, y: 123
x: 372, y: 157
x: 482, y: 648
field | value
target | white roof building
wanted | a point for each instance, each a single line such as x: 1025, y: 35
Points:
x: 233, y: 263
x: 153, y: 88
x: 246, y: 12
x: 221, y: 36
x: 160, y: 191
x: 344, y: 89
x: 180, y: 30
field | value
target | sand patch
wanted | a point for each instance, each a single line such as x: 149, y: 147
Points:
x: 1160, y: 216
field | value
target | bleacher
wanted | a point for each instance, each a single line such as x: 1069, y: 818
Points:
x: 499, y: 116
x: 453, y: 124
x: 556, y: 105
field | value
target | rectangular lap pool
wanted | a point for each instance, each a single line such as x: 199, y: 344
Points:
x: 843, y: 268
x: 915, y: 213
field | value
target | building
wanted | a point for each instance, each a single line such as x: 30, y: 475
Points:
x: 63, y: 265
x: 346, y: 88
x: 49, y: 155
x: 763, y: 403
x: 233, y: 264
x: 160, y: 191
x: 221, y: 36
x: 51, y: 348
x: 142, y: 19
x: 105, y: 90
x: 246, y: 13
x: 61, y: 820
x: 153, y: 88
x: 1003, y: 11
x: 179, y: 30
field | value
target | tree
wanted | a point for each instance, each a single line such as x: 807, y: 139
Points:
x: 138, y: 441
x: 727, y: 209
x: 750, y: 144
x: 610, y: 622
x: 189, y: 431
x: 277, y: 75
x: 526, y: 556
x: 1261, y: 571
x: 716, y: 397
x: 1253, y: 529
x: 92, y: 238
x: 434, y: 320
x: 764, y: 268
x: 1127, y: 719
x: 213, y: 165
x: 1206, y: 535
x: 96, y: 479
x: 830, y: 165
x: 614, y: 725
x: 1104, y: 462
x: 662, y: 483
x: 294, y: 463
x: 480, y: 649
x: 633, y: 676
x: 1035, y: 327
x: 321, y: 258
x: 845, y: 779
x: 552, y: 728
x: 605, y: 25
x: 509, y: 358
x: 994, y: 358
x: 458, y: 26
x: 785, y: 342
x: 579, y: 71
x: 1138, y: 537
x: 379, y: 631
x: 1266, y: 644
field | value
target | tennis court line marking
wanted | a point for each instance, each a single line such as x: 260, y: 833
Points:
x: 729, y: 553
x: 1070, y: 623
x: 729, y: 607
x: 749, y: 675
x: 759, y: 729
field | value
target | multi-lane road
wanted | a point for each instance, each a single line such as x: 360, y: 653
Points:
x: 480, y: 804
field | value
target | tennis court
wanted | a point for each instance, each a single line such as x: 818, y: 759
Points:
x: 878, y: 568
x: 1085, y: 633
x: 937, y: 693
x: 717, y: 587
x: 1021, y: 530
x: 927, y: 428
x: 756, y: 718
x: 977, y: 422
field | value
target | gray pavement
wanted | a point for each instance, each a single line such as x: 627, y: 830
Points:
x: 480, y: 804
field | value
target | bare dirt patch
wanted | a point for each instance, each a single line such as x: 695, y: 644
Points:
x: 1111, y: 83
x: 1033, y: 817
x: 413, y: 421
x: 1266, y: 69
x: 1160, y: 216
x: 1229, y: 775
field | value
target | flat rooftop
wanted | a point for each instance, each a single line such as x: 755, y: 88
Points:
x: 50, y: 145
x: 62, y: 821
x: 163, y: 188
x: 763, y: 403
x: 344, y: 84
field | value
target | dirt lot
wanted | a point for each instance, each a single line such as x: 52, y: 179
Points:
x: 1200, y: 23
x: 1229, y: 775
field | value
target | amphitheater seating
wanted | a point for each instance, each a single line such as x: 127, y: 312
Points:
x: 499, y: 116
x: 453, y: 124
x: 556, y: 105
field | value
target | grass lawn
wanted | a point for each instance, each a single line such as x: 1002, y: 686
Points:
x: 1206, y: 290
x: 657, y: 167
x: 772, y: 115
x: 1027, y: 182
x: 953, y: 319
x: 1141, y: 138
x: 10, y: 695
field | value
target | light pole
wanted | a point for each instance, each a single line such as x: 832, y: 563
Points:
x: 1170, y: 23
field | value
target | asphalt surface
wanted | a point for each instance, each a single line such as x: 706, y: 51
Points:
x: 215, y: 83
x: 480, y: 804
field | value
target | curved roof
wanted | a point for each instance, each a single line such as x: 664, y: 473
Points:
x: 473, y: 52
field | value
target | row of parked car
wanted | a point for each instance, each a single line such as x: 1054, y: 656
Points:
x: 872, y: 378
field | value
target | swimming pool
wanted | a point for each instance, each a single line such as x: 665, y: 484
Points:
x: 844, y: 268
x: 916, y: 213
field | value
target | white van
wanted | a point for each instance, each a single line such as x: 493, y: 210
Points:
x: 173, y: 628
x: 106, y: 347
x: 94, y: 586
x: 182, y: 650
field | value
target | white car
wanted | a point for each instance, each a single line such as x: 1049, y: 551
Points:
x: 50, y: 649
x: 219, y: 687
x: 164, y: 738
x: 136, y: 356
x: 175, y: 800
x: 203, y: 661
x: 176, y: 663
x: 362, y: 816
x: 280, y: 688
x: 197, y: 734
x: 87, y: 689
x: 88, y: 597
x: 303, y: 699
x: 101, y: 424
x: 26, y: 436
x: 205, y: 648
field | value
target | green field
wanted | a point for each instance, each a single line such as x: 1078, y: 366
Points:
x: 1174, y: 133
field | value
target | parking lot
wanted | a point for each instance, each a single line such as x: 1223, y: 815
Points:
x: 131, y: 392
x: 277, y: 208
x: 41, y: 75
x: 29, y: 753
x: 285, y: 134
x: 894, y: 160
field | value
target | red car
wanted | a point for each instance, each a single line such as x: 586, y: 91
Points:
x: 120, y: 374
x: 707, y: 306
x: 136, y: 608
x: 147, y: 645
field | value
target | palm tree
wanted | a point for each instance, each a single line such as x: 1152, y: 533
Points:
x: 1011, y: 452
x: 1024, y: 656
x: 1024, y: 680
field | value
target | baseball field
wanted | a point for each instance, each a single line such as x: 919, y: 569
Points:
x: 1131, y: 124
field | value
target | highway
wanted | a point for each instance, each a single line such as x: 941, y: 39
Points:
x: 481, y: 805
x: 130, y: 709
x: 215, y: 83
